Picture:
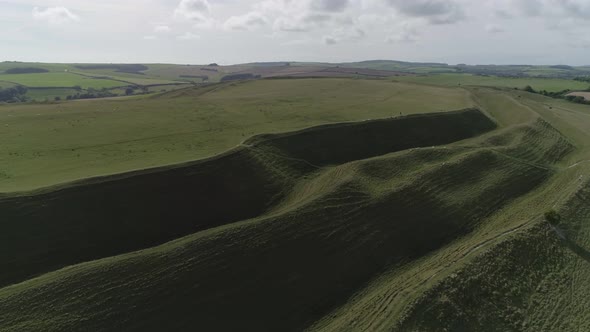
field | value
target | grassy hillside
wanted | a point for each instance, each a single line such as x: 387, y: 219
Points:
x: 157, y: 206
x: 429, y: 222
x: 335, y: 232
x: 361, y: 191
x: 549, y: 84
x: 46, y: 78
x: 60, y: 142
x: 548, y: 293
x: 58, y: 80
x: 47, y: 81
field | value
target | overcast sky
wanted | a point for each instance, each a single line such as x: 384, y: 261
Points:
x: 237, y: 31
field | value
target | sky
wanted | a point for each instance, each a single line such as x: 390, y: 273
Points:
x: 239, y: 31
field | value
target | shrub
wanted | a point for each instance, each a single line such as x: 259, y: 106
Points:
x: 552, y: 217
x: 529, y: 88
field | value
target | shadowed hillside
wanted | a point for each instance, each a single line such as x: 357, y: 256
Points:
x: 336, y: 144
x: 335, y: 229
x: 548, y: 288
x: 108, y: 216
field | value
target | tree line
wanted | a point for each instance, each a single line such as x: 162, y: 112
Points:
x: 559, y: 95
x: 14, y: 94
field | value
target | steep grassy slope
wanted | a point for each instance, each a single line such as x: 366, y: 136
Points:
x: 417, y: 223
x: 536, y: 281
x: 307, y: 261
x: 109, y: 216
x: 514, y: 273
x: 338, y: 230
x: 382, y: 304
x: 337, y: 144
x: 43, y: 145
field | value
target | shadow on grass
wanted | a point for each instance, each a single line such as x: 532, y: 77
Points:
x: 578, y: 250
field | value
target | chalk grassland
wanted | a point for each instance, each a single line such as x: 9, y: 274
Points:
x: 208, y: 179
x: 537, y: 279
x: 349, y: 235
x: 42, y: 94
x: 158, y: 77
x: 49, y: 144
x: 411, y: 223
x: 549, y: 84
x: 58, y: 80
x: 70, y: 79
x: 6, y: 85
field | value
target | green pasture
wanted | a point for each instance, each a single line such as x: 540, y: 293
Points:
x: 549, y: 84
x: 58, y: 80
x: 49, y: 144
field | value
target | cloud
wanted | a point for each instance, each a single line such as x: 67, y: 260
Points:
x: 493, y: 28
x: 191, y: 8
x: 197, y: 11
x: 403, y: 34
x: 55, y: 15
x: 188, y: 36
x: 344, y: 34
x: 529, y: 7
x: 576, y: 8
x: 330, y: 5
x: 434, y: 11
x: 304, y: 15
x: 162, y: 29
x: 501, y: 13
x: 245, y: 22
x: 150, y: 37
x: 330, y: 40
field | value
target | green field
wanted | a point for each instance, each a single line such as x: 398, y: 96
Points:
x: 61, y: 78
x: 40, y: 94
x: 5, y: 85
x: 117, y: 77
x: 299, y: 204
x: 49, y: 144
x: 549, y: 84
x: 58, y: 80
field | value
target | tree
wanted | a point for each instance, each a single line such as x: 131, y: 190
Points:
x: 58, y: 98
x: 529, y: 88
x: 14, y: 94
x: 552, y: 217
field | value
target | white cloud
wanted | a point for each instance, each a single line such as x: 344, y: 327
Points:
x: 55, y: 15
x: 434, y: 11
x: 302, y: 25
x: 576, y: 8
x: 245, y: 22
x: 196, y: 11
x: 188, y: 36
x: 304, y: 15
x: 192, y: 8
x: 330, y: 5
x: 344, y: 34
x: 330, y: 40
x: 405, y: 33
x: 493, y: 28
x: 162, y: 29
